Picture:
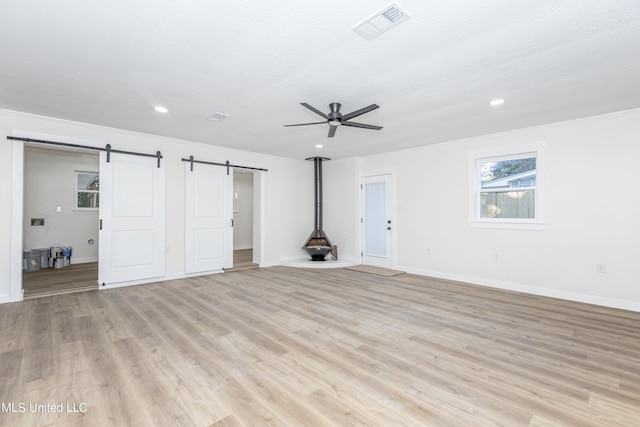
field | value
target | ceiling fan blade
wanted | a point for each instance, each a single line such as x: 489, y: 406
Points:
x: 305, y: 124
x: 315, y: 110
x: 360, y: 112
x: 332, y: 131
x: 361, y: 125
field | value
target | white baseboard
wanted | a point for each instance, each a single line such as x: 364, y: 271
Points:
x: 533, y: 290
x: 83, y: 260
x: 242, y: 247
x: 266, y: 264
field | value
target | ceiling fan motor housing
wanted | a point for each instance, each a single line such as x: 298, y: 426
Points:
x: 335, y: 113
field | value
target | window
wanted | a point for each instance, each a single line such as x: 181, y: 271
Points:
x: 506, y: 190
x: 87, y: 190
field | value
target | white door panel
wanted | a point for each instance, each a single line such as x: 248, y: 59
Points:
x: 132, y: 203
x: 204, y: 249
x: 132, y: 216
x: 208, y: 218
x: 376, y: 221
x: 135, y: 248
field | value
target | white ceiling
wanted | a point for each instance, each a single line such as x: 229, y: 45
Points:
x: 110, y: 62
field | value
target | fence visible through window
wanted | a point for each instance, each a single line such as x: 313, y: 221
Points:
x: 508, y: 188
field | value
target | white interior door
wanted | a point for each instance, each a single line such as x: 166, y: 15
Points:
x: 376, y: 221
x: 132, y: 217
x: 209, y: 218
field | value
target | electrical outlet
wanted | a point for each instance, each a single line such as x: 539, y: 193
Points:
x: 601, y: 268
x: 495, y: 257
x: 58, y: 209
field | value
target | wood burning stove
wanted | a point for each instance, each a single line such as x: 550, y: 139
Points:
x: 318, y: 245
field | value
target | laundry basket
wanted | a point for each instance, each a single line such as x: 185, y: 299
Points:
x: 31, y: 261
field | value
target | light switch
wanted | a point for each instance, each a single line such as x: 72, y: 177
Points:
x: 58, y: 209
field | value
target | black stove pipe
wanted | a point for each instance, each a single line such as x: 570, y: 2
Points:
x: 317, y: 174
x: 317, y: 167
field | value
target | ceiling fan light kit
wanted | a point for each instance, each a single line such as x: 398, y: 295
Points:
x: 335, y: 118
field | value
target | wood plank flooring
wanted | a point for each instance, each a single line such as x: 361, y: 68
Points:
x: 84, y: 277
x: 56, y: 281
x: 242, y: 260
x: 295, y: 347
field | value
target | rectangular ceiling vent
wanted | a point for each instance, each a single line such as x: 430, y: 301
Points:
x: 216, y: 117
x: 382, y: 21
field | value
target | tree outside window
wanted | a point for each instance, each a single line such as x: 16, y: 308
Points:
x: 87, y: 190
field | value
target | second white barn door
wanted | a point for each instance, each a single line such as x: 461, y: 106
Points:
x: 208, y: 218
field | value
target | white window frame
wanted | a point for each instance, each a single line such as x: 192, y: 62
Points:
x: 77, y: 190
x: 476, y: 158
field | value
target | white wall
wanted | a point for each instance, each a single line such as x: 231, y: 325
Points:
x: 49, y: 182
x: 283, y: 230
x: 341, y: 208
x: 592, y: 212
x: 591, y: 206
x: 243, y: 218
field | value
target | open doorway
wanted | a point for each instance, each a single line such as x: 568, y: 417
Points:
x: 60, y: 221
x: 244, y: 214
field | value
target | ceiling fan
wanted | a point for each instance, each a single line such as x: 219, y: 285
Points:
x: 335, y: 118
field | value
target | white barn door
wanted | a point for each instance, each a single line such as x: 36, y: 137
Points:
x: 132, y: 217
x: 208, y: 218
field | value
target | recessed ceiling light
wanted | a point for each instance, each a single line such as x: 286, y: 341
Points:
x: 496, y: 102
x: 319, y: 145
x: 160, y: 109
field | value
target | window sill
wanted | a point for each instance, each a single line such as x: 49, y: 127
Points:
x: 506, y: 225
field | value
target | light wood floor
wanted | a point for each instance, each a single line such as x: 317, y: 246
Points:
x: 84, y: 277
x: 55, y: 281
x: 332, y: 347
x: 243, y: 259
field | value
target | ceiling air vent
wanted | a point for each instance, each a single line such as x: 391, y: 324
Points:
x: 382, y: 21
x: 216, y: 117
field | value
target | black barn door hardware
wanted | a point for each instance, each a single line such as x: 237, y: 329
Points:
x: 225, y: 164
x: 107, y: 148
